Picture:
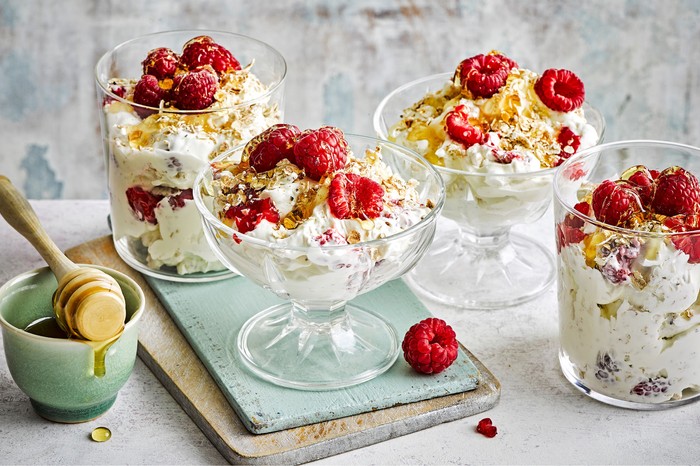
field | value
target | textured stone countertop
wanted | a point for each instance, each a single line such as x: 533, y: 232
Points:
x: 541, y: 418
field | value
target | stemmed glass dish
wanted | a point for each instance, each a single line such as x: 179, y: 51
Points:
x: 476, y: 261
x: 628, y: 293
x: 153, y: 153
x: 317, y: 340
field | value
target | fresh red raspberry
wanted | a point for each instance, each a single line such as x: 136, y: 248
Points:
x: 615, y: 202
x: 484, y: 75
x: 486, y: 427
x: 177, y: 201
x: 249, y: 215
x: 354, y: 196
x: 570, y: 231
x: 161, y: 63
x: 677, y: 192
x: 143, y: 204
x: 202, y: 50
x: 569, y: 143
x: 321, y: 151
x: 265, y: 150
x: 148, y: 92
x: 689, y: 244
x: 643, y: 181
x: 195, y: 90
x: 430, y: 346
x: 560, y: 90
x: 458, y: 127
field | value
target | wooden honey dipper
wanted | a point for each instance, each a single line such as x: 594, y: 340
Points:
x: 88, y: 303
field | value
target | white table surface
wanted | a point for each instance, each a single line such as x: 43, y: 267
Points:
x: 541, y: 418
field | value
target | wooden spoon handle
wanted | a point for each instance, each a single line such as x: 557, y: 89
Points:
x: 20, y: 215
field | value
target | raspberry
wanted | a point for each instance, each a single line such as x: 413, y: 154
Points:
x: 321, y: 151
x: 643, y: 181
x: 330, y: 236
x: 615, y: 202
x: 503, y: 156
x: 265, y: 150
x: 247, y: 216
x: 195, y: 90
x: 354, y: 196
x: 569, y: 143
x: 677, y: 192
x: 569, y: 231
x: 651, y: 387
x: 484, y: 75
x: 177, y: 201
x: 161, y: 63
x: 459, y: 129
x: 689, y: 244
x: 486, y: 427
x: 560, y: 90
x: 430, y: 346
x: 148, y: 92
x: 143, y: 204
x: 202, y: 50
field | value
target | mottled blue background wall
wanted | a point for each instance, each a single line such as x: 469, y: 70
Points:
x: 639, y: 60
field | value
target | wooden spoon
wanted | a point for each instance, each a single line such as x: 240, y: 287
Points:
x: 88, y: 303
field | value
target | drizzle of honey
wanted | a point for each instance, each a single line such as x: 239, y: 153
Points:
x: 49, y: 327
x: 101, y: 434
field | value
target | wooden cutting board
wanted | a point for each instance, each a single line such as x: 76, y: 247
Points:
x: 167, y: 353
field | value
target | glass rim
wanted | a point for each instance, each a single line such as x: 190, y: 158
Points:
x: 271, y: 90
x: 376, y: 123
x: 611, y: 146
x: 406, y: 153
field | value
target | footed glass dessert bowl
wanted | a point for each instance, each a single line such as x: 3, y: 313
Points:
x: 476, y: 261
x: 627, y: 218
x: 169, y: 103
x: 319, y: 239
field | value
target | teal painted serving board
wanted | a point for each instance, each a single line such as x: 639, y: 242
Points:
x: 210, y: 315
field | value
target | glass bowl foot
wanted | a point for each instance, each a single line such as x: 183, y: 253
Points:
x: 317, y: 350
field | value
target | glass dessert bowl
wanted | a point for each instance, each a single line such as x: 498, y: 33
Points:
x: 169, y: 103
x: 485, y: 151
x: 629, y: 272
x: 308, y: 248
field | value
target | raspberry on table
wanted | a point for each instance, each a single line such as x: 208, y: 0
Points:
x: 486, y: 428
x: 276, y: 143
x: 249, y: 215
x: 202, y: 50
x: 560, y: 90
x: 458, y: 127
x: 677, y: 192
x: 148, y: 92
x: 143, y: 204
x: 484, y: 75
x: 321, y: 151
x: 161, y: 63
x: 195, y: 90
x: 615, y: 202
x: 355, y: 196
x: 430, y: 346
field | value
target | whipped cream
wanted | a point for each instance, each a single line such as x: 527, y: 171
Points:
x: 494, y: 183
x: 628, y: 315
x: 300, y: 245
x: 163, y: 153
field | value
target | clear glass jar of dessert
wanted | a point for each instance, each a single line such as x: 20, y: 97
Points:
x: 168, y: 104
x: 627, y: 218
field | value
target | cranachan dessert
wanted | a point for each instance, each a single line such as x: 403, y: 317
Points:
x: 161, y: 130
x: 496, y: 118
x: 629, y: 285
